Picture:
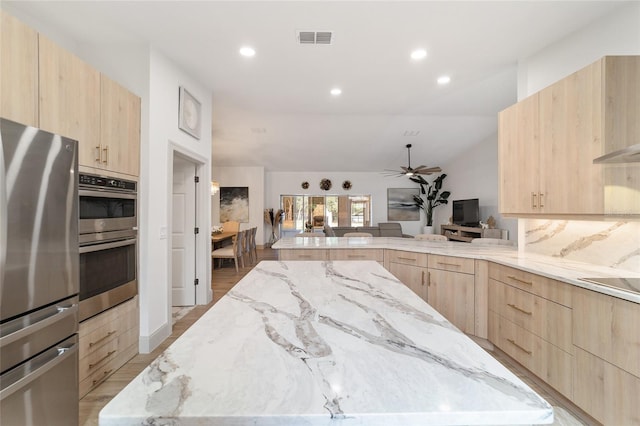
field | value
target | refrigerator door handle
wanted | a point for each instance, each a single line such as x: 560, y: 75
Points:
x: 3, y: 216
x: 41, y: 365
x: 60, y: 313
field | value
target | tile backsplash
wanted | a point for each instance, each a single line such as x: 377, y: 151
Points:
x: 613, y: 244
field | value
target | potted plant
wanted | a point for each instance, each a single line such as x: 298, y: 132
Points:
x: 433, y: 199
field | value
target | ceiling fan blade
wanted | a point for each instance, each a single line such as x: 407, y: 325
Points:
x: 420, y: 167
x: 406, y: 169
x: 428, y: 171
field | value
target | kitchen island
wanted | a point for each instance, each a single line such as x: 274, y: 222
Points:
x: 323, y: 343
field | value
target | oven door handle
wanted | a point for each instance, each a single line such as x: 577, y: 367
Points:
x: 108, y: 245
x: 106, y: 194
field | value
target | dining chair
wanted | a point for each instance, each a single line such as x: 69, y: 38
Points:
x: 231, y: 226
x: 233, y: 251
x: 357, y: 234
x: 309, y: 234
x: 493, y: 242
x: 246, y: 247
x: 431, y: 237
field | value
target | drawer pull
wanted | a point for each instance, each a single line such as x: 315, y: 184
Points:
x: 422, y: 280
x: 449, y: 264
x: 104, y: 376
x: 356, y: 256
x: 519, y: 280
x: 511, y: 305
x: 106, y: 155
x: 101, y: 359
x: 518, y: 346
x: 109, y: 334
x: 407, y: 258
x: 304, y: 256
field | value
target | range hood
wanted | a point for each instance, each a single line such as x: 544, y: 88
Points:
x: 630, y: 154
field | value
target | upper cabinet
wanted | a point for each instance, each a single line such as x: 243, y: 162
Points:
x: 548, y: 141
x: 119, y: 148
x: 46, y: 86
x: 18, y: 71
x: 69, y: 98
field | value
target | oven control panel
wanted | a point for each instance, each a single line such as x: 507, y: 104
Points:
x: 95, y: 181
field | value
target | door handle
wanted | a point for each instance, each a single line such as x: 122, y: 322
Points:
x: 540, y: 195
x: 533, y: 200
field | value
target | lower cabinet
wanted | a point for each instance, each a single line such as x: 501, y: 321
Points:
x: 413, y: 277
x: 451, y: 290
x: 608, y: 393
x: 107, y: 341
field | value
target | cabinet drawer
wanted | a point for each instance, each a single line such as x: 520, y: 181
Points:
x: 545, y: 287
x: 449, y: 263
x: 407, y: 258
x: 608, y: 327
x: 357, y: 254
x: 97, y: 359
x: 548, y: 320
x: 306, y: 254
x: 606, y: 392
x: 97, y: 338
x: 550, y: 363
x: 101, y: 373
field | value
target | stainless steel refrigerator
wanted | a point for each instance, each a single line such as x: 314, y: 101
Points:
x: 38, y: 277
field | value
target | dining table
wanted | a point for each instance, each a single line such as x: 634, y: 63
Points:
x: 217, y: 239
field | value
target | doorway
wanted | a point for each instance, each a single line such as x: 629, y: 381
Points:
x: 183, y: 235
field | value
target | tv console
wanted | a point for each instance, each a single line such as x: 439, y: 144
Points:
x: 468, y: 233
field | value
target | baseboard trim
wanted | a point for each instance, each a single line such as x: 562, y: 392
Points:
x: 147, y: 344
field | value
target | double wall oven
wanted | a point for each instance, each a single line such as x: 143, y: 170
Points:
x: 108, y: 241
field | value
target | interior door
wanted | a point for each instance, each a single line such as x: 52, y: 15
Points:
x: 182, y: 233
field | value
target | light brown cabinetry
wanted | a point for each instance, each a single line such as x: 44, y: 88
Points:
x: 357, y: 254
x: 410, y: 268
x: 306, y: 254
x: 69, y: 98
x: 119, y: 148
x: 18, y: 71
x: 450, y: 290
x: 107, y: 341
x: 530, y: 319
x: 547, y: 143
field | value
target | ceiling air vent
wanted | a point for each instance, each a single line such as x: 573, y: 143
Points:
x: 315, y: 37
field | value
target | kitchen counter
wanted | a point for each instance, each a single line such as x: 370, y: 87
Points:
x: 551, y: 267
x: 324, y: 343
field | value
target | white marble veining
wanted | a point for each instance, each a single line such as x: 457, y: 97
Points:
x: 558, y: 268
x: 324, y: 343
x: 615, y: 243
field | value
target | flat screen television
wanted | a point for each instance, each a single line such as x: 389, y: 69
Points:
x: 466, y: 212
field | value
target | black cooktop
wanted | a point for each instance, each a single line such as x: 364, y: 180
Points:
x: 627, y: 284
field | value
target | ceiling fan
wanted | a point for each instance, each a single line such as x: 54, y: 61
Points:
x: 420, y: 170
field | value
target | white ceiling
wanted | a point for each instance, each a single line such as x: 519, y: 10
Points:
x: 275, y: 110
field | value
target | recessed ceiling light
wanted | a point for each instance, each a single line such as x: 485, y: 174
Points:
x: 445, y: 79
x: 336, y: 91
x: 418, y: 54
x: 247, y: 51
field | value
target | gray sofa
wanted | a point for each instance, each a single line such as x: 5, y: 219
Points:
x: 385, y: 229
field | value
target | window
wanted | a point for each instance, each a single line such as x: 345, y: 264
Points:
x: 312, y: 212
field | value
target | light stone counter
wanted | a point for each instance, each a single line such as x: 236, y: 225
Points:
x: 556, y: 268
x: 324, y: 343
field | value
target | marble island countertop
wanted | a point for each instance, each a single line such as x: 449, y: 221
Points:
x: 556, y: 268
x: 324, y: 343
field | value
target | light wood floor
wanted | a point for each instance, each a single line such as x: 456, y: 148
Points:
x: 223, y: 280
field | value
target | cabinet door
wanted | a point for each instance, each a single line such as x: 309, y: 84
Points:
x: 570, y: 138
x: 413, y: 277
x: 70, y: 99
x: 120, y: 128
x: 452, y: 294
x: 18, y: 71
x: 518, y: 157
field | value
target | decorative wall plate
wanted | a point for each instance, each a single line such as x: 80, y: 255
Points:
x: 346, y: 185
x: 325, y: 184
x: 189, y: 113
x: 305, y: 185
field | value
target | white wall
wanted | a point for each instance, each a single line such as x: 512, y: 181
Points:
x: 475, y: 175
x: 615, y: 34
x: 252, y: 177
x: 612, y: 244
x: 165, y: 79
x: 363, y: 183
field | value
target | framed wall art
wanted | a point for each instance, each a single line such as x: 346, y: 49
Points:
x: 189, y: 113
x: 234, y: 204
x: 400, y: 204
